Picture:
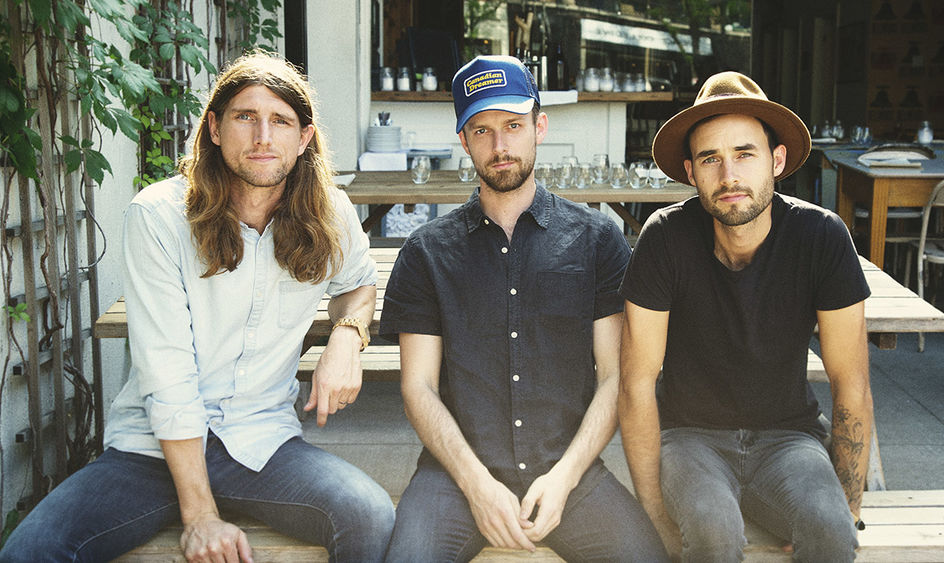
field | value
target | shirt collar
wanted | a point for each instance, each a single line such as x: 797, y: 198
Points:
x: 540, y: 209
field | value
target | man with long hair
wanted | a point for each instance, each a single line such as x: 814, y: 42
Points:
x: 225, y: 267
x: 508, y: 321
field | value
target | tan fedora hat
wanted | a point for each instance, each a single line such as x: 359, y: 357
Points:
x: 730, y: 92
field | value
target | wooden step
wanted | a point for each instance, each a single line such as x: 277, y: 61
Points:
x: 902, y: 526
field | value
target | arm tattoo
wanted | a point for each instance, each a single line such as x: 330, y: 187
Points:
x: 849, y: 444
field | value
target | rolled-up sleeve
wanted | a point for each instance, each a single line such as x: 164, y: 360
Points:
x: 159, y: 327
x: 358, y: 268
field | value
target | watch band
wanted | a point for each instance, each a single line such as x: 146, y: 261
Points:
x: 359, y: 325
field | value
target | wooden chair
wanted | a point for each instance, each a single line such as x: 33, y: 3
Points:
x: 930, y: 251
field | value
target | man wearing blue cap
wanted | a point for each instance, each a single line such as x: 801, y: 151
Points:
x: 508, y: 319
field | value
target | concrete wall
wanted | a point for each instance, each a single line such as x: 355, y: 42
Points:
x: 339, y: 70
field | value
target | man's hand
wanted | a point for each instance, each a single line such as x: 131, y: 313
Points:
x: 210, y: 539
x: 497, y: 514
x: 549, y: 493
x: 337, y: 378
x: 668, y: 531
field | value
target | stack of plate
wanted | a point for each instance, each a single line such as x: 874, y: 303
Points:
x: 384, y: 138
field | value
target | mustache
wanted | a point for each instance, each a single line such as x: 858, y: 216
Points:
x: 733, y: 191
x: 498, y: 159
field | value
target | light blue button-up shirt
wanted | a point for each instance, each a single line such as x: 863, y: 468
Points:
x: 218, y: 352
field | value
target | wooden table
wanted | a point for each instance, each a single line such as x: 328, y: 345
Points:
x: 881, y: 188
x: 385, y: 189
x: 891, y: 309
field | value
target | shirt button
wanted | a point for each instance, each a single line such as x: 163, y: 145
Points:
x: 514, y: 291
x: 518, y: 423
x: 514, y: 334
x: 504, y: 250
x: 515, y: 377
x: 522, y: 466
x: 242, y: 372
x: 486, y: 222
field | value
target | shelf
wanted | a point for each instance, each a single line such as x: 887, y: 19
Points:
x: 581, y: 97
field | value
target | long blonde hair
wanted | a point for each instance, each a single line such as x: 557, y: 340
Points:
x: 305, y: 225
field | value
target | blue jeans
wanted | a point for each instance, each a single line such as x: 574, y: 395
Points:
x: 602, y: 521
x: 121, y: 500
x: 782, y: 480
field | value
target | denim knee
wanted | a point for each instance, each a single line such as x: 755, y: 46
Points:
x: 824, y: 535
x: 710, y: 530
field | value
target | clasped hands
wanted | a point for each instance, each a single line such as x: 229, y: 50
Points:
x: 506, y: 522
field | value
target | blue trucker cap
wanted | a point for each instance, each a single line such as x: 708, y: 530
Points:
x: 493, y: 82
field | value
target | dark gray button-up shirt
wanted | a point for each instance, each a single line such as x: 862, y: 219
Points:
x: 516, y: 319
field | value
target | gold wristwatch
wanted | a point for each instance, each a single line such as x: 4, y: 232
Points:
x: 359, y: 325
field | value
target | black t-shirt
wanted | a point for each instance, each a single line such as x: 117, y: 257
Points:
x: 737, y: 341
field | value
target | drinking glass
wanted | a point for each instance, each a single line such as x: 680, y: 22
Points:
x: 584, y: 175
x: 544, y: 174
x: 420, y: 169
x: 564, y: 175
x: 856, y: 137
x: 618, y: 175
x: 657, y: 178
x: 601, y: 165
x: 466, y: 169
x: 866, y: 136
x: 638, y: 174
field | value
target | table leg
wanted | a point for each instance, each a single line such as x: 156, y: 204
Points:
x: 879, y: 221
x: 375, y: 216
x: 626, y: 216
x: 845, y: 205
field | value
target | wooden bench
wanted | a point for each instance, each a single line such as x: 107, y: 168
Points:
x: 901, y: 526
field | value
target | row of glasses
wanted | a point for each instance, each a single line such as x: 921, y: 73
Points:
x: 569, y: 172
x: 421, y: 168
x: 637, y: 175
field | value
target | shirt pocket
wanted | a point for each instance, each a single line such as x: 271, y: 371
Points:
x: 298, y: 302
x: 563, y: 294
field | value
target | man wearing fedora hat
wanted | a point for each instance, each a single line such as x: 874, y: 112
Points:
x: 508, y: 319
x: 722, y: 293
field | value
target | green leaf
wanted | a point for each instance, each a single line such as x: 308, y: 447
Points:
x: 96, y: 165
x: 73, y: 160
x: 70, y: 16
x: 35, y: 140
x: 190, y: 55
x: 105, y: 118
x: 9, y: 102
x: 167, y: 51
x: 69, y: 140
x: 42, y: 11
x: 108, y: 9
x: 128, y: 124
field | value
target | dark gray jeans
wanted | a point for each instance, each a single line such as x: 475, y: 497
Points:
x: 782, y: 480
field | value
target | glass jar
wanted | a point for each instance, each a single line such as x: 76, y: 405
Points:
x: 606, y: 80
x: 403, y: 79
x: 386, y: 79
x: 430, y: 82
x: 591, y: 80
x: 925, y: 133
